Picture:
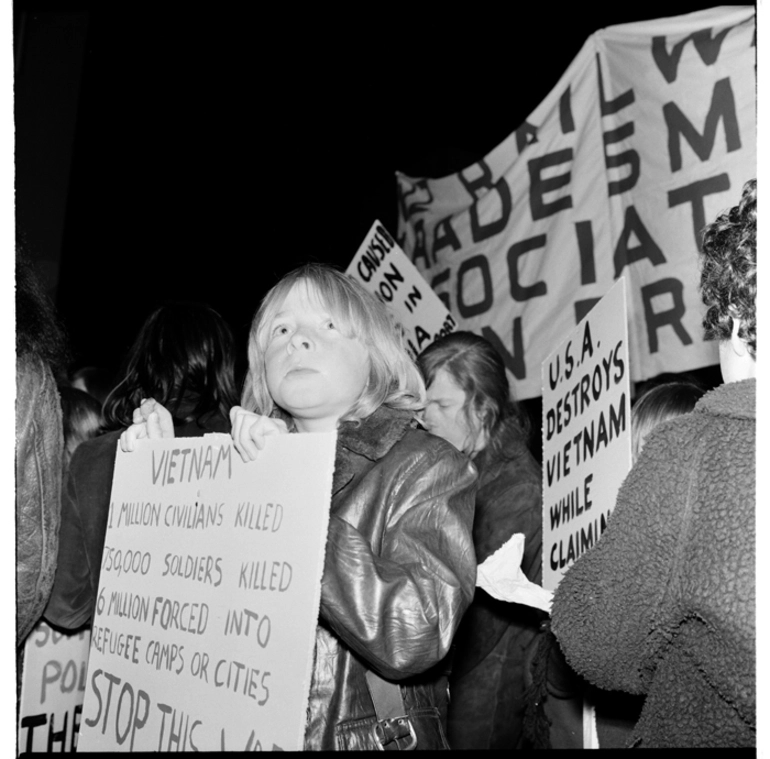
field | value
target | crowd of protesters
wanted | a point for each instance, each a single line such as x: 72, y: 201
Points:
x: 434, y: 472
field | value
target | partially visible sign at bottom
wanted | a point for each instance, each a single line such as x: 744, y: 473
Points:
x: 53, y: 683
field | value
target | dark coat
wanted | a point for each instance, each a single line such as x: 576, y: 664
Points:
x: 85, y: 508
x: 39, y: 447
x: 664, y: 604
x: 487, y: 682
x: 399, y: 573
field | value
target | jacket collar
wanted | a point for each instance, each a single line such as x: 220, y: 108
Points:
x: 371, y: 439
x: 374, y: 436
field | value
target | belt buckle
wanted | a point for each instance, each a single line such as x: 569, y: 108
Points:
x: 395, y: 734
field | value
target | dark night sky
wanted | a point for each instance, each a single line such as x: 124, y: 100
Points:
x: 216, y: 150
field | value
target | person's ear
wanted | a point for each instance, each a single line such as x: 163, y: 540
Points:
x: 482, y: 436
x: 737, y: 342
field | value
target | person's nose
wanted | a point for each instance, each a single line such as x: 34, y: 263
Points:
x: 300, y: 340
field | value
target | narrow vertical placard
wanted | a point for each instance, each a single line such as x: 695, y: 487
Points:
x: 385, y: 270
x: 586, y: 432
x: 208, y: 598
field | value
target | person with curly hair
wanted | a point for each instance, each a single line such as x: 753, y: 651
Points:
x: 664, y: 604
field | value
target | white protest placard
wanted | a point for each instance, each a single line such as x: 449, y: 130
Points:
x: 586, y: 432
x: 205, y: 621
x: 53, y: 682
x: 385, y: 270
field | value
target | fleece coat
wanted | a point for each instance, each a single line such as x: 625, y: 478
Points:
x: 664, y: 604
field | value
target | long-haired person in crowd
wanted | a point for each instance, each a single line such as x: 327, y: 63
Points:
x: 97, y: 381
x: 399, y: 569
x: 184, y: 354
x: 469, y: 403
x: 41, y: 358
x: 81, y: 420
x: 664, y: 604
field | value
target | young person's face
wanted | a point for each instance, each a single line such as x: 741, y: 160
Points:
x: 314, y: 372
x: 444, y: 413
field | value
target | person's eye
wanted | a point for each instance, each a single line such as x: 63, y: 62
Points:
x: 280, y: 329
x: 329, y: 324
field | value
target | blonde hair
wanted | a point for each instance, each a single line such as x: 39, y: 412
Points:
x: 658, y: 404
x: 393, y: 381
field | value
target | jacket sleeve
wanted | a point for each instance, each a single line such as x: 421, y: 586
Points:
x: 517, y: 507
x: 398, y: 604
x: 73, y: 596
x: 513, y: 506
x: 608, y: 609
x: 85, y: 511
x: 39, y: 444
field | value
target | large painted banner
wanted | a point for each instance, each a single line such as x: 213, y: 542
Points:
x: 586, y: 433
x: 205, y: 622
x: 647, y: 136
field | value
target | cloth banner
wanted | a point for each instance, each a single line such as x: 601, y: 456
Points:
x: 648, y: 135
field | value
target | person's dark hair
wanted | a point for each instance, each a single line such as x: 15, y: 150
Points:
x: 38, y: 328
x: 729, y: 271
x: 184, y: 352
x: 81, y: 419
x: 659, y: 403
x: 479, y: 371
x: 97, y: 381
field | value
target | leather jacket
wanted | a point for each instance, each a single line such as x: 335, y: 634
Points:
x: 39, y: 445
x: 400, y: 570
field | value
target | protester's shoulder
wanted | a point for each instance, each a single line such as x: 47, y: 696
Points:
x: 30, y: 365
x: 420, y: 457
x: 33, y: 377
x: 102, y: 448
x: 516, y: 482
x: 670, y: 454
x: 716, y: 422
x: 427, y: 449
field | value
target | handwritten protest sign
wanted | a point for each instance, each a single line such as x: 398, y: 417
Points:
x: 586, y: 432
x: 209, y: 592
x: 52, y: 687
x: 384, y: 269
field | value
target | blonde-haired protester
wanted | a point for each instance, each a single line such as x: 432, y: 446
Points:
x: 81, y: 420
x: 400, y: 567
x: 664, y: 604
